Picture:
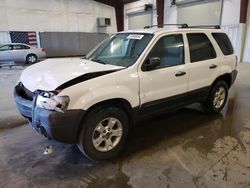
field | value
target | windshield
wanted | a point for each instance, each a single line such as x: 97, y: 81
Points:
x: 122, y: 49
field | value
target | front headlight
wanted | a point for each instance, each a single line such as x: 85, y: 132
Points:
x: 50, y: 101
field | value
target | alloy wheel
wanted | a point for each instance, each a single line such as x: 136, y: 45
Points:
x: 107, y: 134
x: 219, y: 97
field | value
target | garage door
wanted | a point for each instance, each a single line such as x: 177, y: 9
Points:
x: 139, y: 20
x: 200, y: 13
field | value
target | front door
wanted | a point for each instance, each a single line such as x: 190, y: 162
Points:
x: 5, y: 52
x: 165, y: 86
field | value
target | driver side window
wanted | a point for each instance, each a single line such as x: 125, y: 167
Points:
x: 170, y: 50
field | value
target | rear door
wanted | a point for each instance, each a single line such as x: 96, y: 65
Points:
x: 203, y: 63
x: 19, y: 52
x: 228, y: 57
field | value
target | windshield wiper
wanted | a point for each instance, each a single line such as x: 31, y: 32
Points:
x: 98, y: 61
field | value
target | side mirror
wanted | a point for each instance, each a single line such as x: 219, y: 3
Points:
x: 151, y: 63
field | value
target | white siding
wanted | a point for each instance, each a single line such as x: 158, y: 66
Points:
x: 246, y: 53
x: 4, y: 37
x: 54, y: 15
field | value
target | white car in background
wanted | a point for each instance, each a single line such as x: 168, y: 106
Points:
x: 21, y: 52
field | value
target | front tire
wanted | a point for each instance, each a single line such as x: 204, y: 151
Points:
x: 217, y: 97
x: 104, y: 133
x: 30, y: 59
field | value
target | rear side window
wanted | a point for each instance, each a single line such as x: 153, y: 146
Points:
x: 25, y: 47
x: 200, y: 47
x: 20, y: 47
x: 224, y: 43
x: 17, y: 47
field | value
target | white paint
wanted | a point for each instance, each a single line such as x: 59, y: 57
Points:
x: 54, y: 15
x: 51, y: 73
x: 55, y: 72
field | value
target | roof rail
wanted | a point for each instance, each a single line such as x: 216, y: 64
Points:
x: 180, y: 25
x: 205, y: 26
x: 186, y: 26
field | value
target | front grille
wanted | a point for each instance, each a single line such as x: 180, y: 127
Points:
x: 24, y: 92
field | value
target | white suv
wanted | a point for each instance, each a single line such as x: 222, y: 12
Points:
x: 132, y: 75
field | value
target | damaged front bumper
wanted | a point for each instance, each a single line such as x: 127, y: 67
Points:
x: 62, y: 127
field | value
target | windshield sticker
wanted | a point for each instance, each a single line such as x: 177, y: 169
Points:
x: 134, y: 36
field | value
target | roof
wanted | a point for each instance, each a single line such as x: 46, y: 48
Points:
x: 15, y: 44
x: 165, y: 30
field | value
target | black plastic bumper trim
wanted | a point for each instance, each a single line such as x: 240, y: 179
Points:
x: 62, y: 127
x: 234, y: 75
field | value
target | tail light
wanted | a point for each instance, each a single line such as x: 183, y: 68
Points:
x: 42, y: 49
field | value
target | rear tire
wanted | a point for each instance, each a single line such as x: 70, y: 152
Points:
x: 31, y: 58
x: 104, y: 133
x: 217, y: 98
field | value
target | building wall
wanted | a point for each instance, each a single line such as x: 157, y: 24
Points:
x: 246, y: 53
x: 61, y: 44
x: 231, y: 12
x: 54, y: 15
x: 63, y: 27
x: 4, y: 37
x: 170, y: 15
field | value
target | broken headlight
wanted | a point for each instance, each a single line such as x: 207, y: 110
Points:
x: 50, y: 101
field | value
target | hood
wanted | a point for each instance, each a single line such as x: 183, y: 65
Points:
x: 52, y: 73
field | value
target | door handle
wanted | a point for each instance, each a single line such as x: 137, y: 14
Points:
x: 213, y: 66
x: 180, y: 73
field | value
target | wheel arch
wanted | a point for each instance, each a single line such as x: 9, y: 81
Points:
x: 117, y: 102
x: 31, y: 54
x: 227, y: 77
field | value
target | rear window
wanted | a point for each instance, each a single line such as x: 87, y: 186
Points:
x: 224, y: 43
x: 200, y: 47
x: 25, y: 47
